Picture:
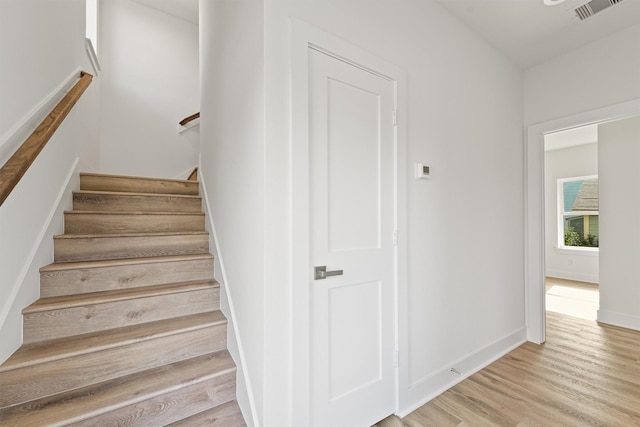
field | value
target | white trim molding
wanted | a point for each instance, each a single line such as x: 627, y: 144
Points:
x: 535, y: 206
x: 570, y: 275
x: 41, y: 253
x: 615, y: 318
x: 447, y: 377
x: 95, y: 63
x: 244, y: 388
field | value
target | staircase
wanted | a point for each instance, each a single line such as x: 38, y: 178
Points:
x: 127, y: 330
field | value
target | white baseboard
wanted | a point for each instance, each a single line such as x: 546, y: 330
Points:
x: 429, y: 387
x: 624, y: 320
x: 244, y: 390
x: 571, y: 275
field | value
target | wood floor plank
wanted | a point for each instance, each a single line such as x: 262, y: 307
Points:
x: 170, y: 407
x: 434, y: 415
x: 226, y: 415
x: 571, y: 392
x: 586, y: 374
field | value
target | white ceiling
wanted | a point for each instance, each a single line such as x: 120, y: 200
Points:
x: 529, y: 32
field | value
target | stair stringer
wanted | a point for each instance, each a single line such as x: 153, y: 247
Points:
x: 244, y: 389
x: 26, y: 286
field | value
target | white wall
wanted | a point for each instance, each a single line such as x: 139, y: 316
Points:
x: 464, y: 114
x: 232, y: 170
x: 619, y: 156
x: 465, y: 284
x: 150, y: 82
x: 36, y: 58
x: 597, y: 75
x: 51, y: 48
x: 570, y: 162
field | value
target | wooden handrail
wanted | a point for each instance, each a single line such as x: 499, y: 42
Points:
x: 15, y: 168
x: 189, y: 119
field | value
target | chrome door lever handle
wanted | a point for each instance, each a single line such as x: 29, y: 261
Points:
x: 320, y: 272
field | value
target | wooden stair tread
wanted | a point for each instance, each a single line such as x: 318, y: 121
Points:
x: 141, y: 178
x: 94, y: 400
x: 123, y: 183
x: 131, y: 193
x: 101, y: 246
x: 79, y: 277
x: 128, y: 328
x: 111, y: 236
x: 47, y: 351
x: 94, y: 298
x: 118, y: 222
x: 63, y: 266
x: 121, y: 200
x: 225, y: 415
x: 123, y: 213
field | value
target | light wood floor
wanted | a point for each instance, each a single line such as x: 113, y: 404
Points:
x: 586, y: 374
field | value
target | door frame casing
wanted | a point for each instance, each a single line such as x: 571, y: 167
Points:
x: 535, y: 205
x: 303, y: 38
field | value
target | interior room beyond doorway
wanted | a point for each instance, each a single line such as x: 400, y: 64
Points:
x: 572, y: 298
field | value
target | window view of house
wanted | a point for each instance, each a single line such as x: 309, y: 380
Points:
x: 579, y: 211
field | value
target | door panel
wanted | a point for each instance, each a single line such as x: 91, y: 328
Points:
x: 353, y: 146
x: 352, y: 221
x: 345, y: 352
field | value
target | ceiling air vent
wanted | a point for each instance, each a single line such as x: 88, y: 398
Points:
x: 593, y: 7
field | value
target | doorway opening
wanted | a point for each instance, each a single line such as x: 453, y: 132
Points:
x: 535, y: 270
x: 572, y: 222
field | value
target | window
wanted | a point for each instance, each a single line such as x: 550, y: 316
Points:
x: 578, y: 219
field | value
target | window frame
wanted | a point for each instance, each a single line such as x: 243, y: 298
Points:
x: 561, y: 214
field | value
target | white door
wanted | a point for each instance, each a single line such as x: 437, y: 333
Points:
x: 352, y: 140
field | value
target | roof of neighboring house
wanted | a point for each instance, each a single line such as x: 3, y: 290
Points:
x: 587, y: 198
